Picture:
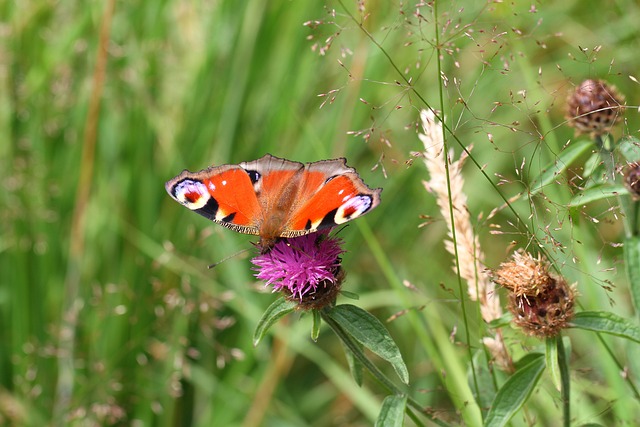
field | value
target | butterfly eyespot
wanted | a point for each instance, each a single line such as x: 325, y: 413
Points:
x: 192, y: 194
x: 254, y: 176
x: 353, y: 208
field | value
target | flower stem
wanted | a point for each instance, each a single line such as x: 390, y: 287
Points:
x: 564, y: 382
x: 357, y: 352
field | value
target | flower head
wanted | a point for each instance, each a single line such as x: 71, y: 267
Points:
x: 305, y: 268
x: 632, y: 179
x: 594, y: 107
x: 541, y: 302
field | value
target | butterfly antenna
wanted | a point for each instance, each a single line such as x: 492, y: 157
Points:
x: 215, y: 264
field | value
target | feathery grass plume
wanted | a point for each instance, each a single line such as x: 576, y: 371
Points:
x: 470, y: 255
x: 594, y: 107
x: 541, y: 302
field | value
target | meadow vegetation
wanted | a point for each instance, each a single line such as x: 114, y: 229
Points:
x: 109, y: 313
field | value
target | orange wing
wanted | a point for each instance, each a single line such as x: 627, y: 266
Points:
x: 331, y: 193
x: 223, y: 194
x: 273, y: 197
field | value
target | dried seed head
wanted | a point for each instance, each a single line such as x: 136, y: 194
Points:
x: 594, y: 107
x: 541, y: 302
x: 632, y: 179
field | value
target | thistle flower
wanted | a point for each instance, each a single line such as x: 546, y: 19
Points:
x: 632, y: 179
x: 541, y: 302
x: 306, y: 269
x: 594, y: 107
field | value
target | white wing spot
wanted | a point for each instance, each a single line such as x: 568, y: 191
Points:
x: 212, y: 186
x: 189, y: 187
x: 345, y: 198
x: 341, y: 191
x: 224, y: 182
x: 353, y: 208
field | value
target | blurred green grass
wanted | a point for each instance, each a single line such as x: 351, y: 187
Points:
x: 131, y: 327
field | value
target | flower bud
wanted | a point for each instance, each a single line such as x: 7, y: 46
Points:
x: 594, y: 107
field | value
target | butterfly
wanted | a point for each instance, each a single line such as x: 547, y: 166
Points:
x: 276, y: 198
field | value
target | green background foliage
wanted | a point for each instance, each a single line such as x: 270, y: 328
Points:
x: 109, y: 314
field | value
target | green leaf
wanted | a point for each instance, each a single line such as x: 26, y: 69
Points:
x: 551, y: 360
x: 317, y: 321
x: 598, y: 192
x: 486, y: 391
x: 501, y: 321
x: 392, y: 411
x: 593, y: 167
x: 350, y: 295
x: 609, y: 323
x: 629, y: 147
x: 514, y: 393
x: 632, y: 266
x: 370, y: 332
x: 573, y: 151
x: 280, y: 308
x: 355, y: 366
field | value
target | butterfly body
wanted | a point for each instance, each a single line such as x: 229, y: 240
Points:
x: 275, y: 198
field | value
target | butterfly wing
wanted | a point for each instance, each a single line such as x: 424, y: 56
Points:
x: 224, y: 194
x: 330, y: 193
x: 273, y: 197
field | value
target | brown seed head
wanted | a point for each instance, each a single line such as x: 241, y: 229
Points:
x: 632, y: 179
x: 594, y: 107
x: 541, y: 302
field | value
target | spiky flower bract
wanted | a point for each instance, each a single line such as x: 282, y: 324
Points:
x: 541, y: 302
x: 306, y: 269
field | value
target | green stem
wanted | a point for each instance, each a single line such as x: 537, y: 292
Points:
x: 356, y: 350
x: 564, y: 382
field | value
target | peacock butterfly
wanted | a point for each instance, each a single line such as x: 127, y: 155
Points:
x: 274, y: 198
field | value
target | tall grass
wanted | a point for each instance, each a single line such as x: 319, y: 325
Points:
x: 109, y: 314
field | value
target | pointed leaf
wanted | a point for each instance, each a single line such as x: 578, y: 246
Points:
x: 501, y: 321
x: 367, y: 330
x: 632, y: 265
x: 598, y: 192
x: 280, y: 308
x: 350, y: 295
x: 317, y: 321
x: 629, y: 147
x: 392, y: 411
x: 573, y: 151
x: 514, y: 393
x: 609, y: 323
x: 355, y: 366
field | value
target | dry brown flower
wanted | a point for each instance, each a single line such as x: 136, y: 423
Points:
x: 541, y: 302
x: 594, y: 107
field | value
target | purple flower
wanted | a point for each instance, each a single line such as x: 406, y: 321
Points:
x: 306, y: 268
